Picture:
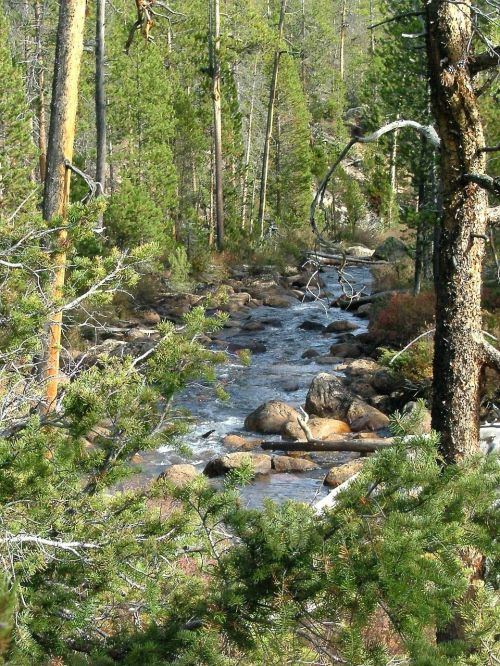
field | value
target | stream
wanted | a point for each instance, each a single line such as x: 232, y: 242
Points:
x: 278, y: 373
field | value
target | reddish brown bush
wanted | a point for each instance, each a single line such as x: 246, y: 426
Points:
x: 400, y: 319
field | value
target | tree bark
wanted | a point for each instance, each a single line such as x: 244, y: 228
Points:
x: 69, y: 49
x: 269, y: 122
x: 458, y: 357
x: 100, y: 95
x: 216, y: 96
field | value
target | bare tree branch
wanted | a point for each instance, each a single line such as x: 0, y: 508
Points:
x: 486, y: 182
x: 485, y: 60
x: 427, y: 131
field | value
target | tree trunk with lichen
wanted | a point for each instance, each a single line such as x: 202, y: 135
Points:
x: 68, y: 57
x: 458, y: 358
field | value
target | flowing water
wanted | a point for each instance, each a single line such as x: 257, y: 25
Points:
x: 278, y: 373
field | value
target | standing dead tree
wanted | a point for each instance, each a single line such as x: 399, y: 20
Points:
x: 146, y: 14
x: 69, y: 50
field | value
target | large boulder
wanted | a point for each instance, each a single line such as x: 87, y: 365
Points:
x: 359, y: 251
x: 277, y: 300
x: 328, y: 397
x: 392, y: 249
x: 339, y: 475
x: 270, y: 417
x: 320, y: 429
x: 286, y: 464
x: 362, y: 416
x: 260, y: 462
x: 180, y: 475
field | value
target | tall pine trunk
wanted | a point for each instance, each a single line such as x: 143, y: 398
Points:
x: 42, y: 125
x: 217, y: 110
x: 269, y: 123
x: 69, y: 49
x: 248, y: 151
x: 458, y: 355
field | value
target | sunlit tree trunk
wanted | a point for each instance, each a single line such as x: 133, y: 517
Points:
x: 343, y: 30
x: 459, y: 352
x: 269, y: 123
x: 69, y: 49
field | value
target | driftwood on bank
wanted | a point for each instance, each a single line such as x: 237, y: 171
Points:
x: 316, y: 445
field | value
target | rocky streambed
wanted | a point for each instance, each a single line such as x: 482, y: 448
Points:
x: 292, y: 342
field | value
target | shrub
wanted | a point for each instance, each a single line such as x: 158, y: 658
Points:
x: 413, y: 367
x: 402, y: 318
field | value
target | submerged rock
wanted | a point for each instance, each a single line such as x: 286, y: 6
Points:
x: 311, y: 325
x: 341, y: 326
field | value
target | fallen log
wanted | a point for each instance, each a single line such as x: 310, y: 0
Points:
x: 338, y: 258
x: 317, y: 445
x: 353, y: 304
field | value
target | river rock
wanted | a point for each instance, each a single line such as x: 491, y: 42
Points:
x: 391, y: 249
x: 179, y: 475
x: 253, y: 326
x: 311, y: 325
x: 364, y: 311
x: 270, y: 417
x: 260, y: 461
x: 341, y: 326
x: 238, y: 442
x: 328, y: 360
x: 254, y: 346
x: 346, y: 350
x: 361, y: 387
x: 362, y: 416
x: 328, y: 397
x: 310, y: 353
x: 286, y: 464
x: 384, y: 382
x: 320, y: 429
x: 339, y: 475
x: 150, y: 317
x: 277, y: 300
